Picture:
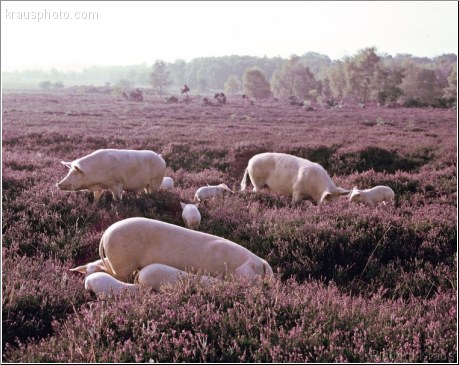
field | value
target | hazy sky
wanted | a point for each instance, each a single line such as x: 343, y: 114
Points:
x: 127, y: 33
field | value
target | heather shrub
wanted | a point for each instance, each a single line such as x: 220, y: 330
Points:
x: 353, y: 282
x: 35, y: 292
x: 193, y: 159
x: 378, y: 159
x: 234, y: 322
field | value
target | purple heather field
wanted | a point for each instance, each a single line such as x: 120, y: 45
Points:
x: 352, y: 282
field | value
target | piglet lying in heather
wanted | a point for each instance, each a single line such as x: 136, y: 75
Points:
x: 152, y: 276
x: 157, y: 275
x: 101, y: 282
x: 191, y: 215
x: 210, y: 191
x: 372, y: 196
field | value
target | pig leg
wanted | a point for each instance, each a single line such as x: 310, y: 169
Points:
x: 296, y: 197
x: 117, y: 192
x: 97, y: 195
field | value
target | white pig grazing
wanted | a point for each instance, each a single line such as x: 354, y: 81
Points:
x: 133, y: 243
x: 157, y: 275
x: 372, y: 196
x: 210, y: 191
x: 114, y: 170
x: 191, y: 215
x: 168, y: 183
x: 101, y: 282
x: 292, y: 176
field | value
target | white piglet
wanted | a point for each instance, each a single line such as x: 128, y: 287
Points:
x: 168, y: 183
x: 114, y: 170
x: 191, y: 215
x: 372, y: 196
x: 211, y: 191
x: 157, y: 275
x: 101, y: 282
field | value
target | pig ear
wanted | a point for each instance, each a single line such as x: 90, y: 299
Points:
x: 183, y: 205
x: 67, y: 164
x: 83, y: 269
x: 77, y: 169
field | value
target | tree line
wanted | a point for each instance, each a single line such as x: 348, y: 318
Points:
x: 366, y: 77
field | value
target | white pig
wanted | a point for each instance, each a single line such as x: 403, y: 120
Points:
x: 101, y: 282
x: 292, y: 176
x: 191, y: 215
x: 372, y: 196
x: 210, y: 191
x: 133, y: 243
x: 157, y: 275
x: 114, y: 170
x: 168, y: 183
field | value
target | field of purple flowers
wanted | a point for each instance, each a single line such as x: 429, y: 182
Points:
x: 352, y: 283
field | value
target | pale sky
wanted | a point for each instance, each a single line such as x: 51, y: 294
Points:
x: 128, y: 33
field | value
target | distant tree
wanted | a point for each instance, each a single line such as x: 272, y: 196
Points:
x: 294, y: 79
x: 255, y: 84
x: 201, y: 79
x: 178, y: 71
x: 160, y: 77
x: 45, y: 85
x: 232, y: 85
x: 420, y: 85
x: 387, y: 84
x: 450, y: 92
x: 317, y: 63
x: 361, y: 72
x: 58, y: 85
x: 124, y: 83
x: 337, y: 83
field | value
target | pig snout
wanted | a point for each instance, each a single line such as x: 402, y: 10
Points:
x: 62, y: 185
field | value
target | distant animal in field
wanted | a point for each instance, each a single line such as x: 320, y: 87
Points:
x: 191, y: 215
x: 167, y: 183
x: 114, y: 170
x: 185, y: 89
x: 292, y: 176
x: 246, y: 98
x: 172, y: 100
x: 372, y: 196
x: 211, y: 191
x: 134, y: 243
x: 221, y: 98
x: 134, y: 95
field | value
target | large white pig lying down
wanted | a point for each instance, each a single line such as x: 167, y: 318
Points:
x: 372, y: 196
x: 211, y: 191
x: 191, y: 215
x: 293, y: 176
x: 152, y: 276
x: 114, y: 170
x: 168, y: 183
x: 134, y: 243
